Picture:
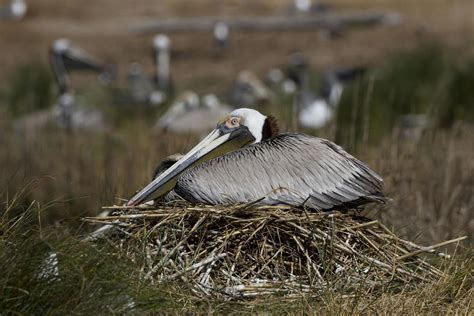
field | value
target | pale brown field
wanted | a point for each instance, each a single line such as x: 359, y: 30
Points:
x: 103, y: 28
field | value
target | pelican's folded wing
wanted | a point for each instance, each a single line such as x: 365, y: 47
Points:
x: 292, y: 169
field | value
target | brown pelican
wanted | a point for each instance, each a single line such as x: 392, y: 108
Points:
x: 65, y: 58
x: 153, y: 90
x: 189, y: 114
x: 165, y: 164
x: 249, y: 90
x: 244, y: 159
x: 317, y: 110
x: 66, y: 113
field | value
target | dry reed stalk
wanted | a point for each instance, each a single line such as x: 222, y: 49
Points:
x: 244, y: 251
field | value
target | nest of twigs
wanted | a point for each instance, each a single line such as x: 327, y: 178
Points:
x: 242, y: 251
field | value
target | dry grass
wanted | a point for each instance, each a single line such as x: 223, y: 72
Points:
x: 431, y: 184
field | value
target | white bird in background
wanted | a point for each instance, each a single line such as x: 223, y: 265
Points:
x: 189, y: 114
x: 317, y: 110
x: 275, y: 77
x: 249, y: 90
x: 308, y: 7
x: 15, y: 10
x: 153, y: 90
x: 277, y: 80
x: 221, y: 32
x: 186, y: 102
x: 162, y: 48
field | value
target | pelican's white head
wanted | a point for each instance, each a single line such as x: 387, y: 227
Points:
x: 259, y: 126
x: 253, y: 119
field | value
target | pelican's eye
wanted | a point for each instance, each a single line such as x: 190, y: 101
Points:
x: 233, y: 122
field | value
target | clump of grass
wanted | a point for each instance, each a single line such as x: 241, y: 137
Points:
x: 428, y: 80
x: 430, y: 182
x: 242, y: 251
x: 459, y: 98
x: 50, y: 270
x: 30, y: 88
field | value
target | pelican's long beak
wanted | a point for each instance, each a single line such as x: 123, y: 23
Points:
x: 217, y: 143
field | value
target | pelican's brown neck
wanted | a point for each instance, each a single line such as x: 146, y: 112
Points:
x: 270, y: 128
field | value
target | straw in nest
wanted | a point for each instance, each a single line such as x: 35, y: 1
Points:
x: 241, y: 251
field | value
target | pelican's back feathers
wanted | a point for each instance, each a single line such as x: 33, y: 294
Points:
x: 292, y: 169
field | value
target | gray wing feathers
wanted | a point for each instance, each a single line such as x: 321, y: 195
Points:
x: 291, y: 169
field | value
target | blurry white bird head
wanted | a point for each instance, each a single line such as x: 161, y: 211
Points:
x: 275, y: 76
x: 241, y: 127
x: 161, y: 42
x: 61, y: 45
x: 303, y: 5
x: 18, y: 8
x: 210, y: 101
x: 221, y: 31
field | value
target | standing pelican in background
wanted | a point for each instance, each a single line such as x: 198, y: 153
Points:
x: 220, y: 32
x: 186, y: 102
x: 189, y: 114
x: 162, y: 48
x: 153, y: 90
x: 249, y: 90
x: 317, y: 110
x: 66, y: 113
x: 244, y: 159
x: 65, y: 58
